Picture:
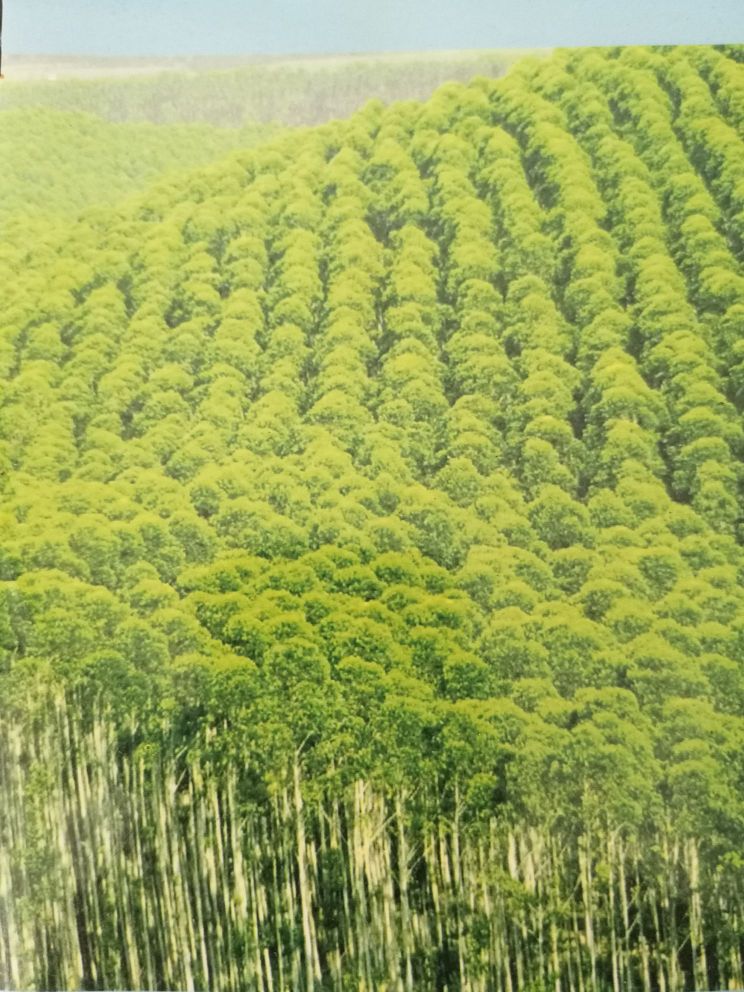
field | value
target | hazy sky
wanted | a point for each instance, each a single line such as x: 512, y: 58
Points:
x: 172, y: 27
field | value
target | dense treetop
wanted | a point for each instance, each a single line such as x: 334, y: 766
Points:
x: 408, y: 450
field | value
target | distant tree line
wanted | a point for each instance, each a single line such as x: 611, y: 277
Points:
x: 290, y: 93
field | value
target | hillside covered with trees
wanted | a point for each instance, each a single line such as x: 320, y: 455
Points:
x: 371, y: 606
x: 59, y: 163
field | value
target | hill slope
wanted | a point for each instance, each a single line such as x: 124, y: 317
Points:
x: 371, y: 610
x: 59, y: 163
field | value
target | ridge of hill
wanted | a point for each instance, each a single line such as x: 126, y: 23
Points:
x: 371, y: 606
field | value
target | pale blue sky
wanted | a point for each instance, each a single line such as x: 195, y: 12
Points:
x: 174, y: 27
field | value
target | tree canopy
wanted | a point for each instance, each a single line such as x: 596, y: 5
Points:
x: 371, y: 604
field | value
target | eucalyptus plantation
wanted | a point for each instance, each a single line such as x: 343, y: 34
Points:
x: 371, y: 607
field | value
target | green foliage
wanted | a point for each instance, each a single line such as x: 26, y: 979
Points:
x: 62, y: 162
x: 391, y: 468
